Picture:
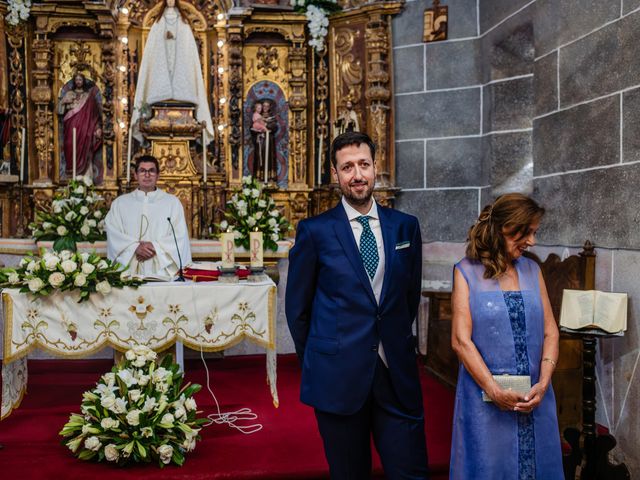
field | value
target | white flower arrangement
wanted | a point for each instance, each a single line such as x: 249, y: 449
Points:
x: 66, y: 270
x: 317, y: 13
x: 17, y: 11
x: 251, y: 209
x: 76, y: 215
x: 137, y: 413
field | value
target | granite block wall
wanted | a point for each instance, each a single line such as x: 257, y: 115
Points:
x: 539, y: 96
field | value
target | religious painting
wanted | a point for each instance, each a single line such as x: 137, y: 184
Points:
x: 80, y: 112
x: 266, y: 138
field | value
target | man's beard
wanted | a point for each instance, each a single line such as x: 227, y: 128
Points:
x: 357, y: 199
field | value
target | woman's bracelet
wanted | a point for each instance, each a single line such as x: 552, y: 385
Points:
x: 550, y: 360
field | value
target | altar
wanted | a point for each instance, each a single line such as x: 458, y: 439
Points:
x: 204, y: 316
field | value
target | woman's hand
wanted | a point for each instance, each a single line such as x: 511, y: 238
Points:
x: 531, y: 399
x: 505, y: 399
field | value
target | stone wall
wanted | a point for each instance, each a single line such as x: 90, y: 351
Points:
x: 542, y: 97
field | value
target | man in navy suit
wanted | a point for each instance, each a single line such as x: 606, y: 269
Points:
x: 352, y: 295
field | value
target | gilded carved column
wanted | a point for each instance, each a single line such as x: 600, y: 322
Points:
x: 378, y: 94
x: 42, y: 106
x: 235, y: 44
x: 298, y: 108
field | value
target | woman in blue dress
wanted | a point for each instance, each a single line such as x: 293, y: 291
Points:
x: 503, y: 324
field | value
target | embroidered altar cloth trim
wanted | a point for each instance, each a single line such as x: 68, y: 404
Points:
x: 208, y: 316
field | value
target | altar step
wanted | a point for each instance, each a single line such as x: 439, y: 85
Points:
x: 287, y: 448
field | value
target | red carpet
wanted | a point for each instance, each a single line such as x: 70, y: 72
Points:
x: 288, y: 447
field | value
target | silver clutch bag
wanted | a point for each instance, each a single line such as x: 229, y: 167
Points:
x: 517, y: 383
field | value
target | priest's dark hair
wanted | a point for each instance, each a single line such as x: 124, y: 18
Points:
x: 147, y: 159
x: 347, y: 139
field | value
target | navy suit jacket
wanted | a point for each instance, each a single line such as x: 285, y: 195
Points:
x: 333, y: 316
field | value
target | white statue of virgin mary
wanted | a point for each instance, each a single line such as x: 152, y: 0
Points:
x: 170, y: 68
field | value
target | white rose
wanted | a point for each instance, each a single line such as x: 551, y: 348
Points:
x: 23, y: 262
x: 125, y: 276
x: 274, y: 213
x: 51, y: 262
x: 272, y: 222
x: 258, y: 215
x: 133, y: 418
x: 167, y: 419
x: 165, y: 452
x: 255, y: 193
x: 134, y: 395
x: 56, y: 279
x: 101, y: 225
x: 102, y: 265
x: 84, y: 210
x: 46, y: 225
x: 35, y: 284
x: 80, y: 280
x: 224, y: 225
x: 131, y: 355
x: 162, y: 387
x: 109, y: 378
x: 66, y: 255
x: 108, y: 401
x: 103, y: 287
x: 69, y: 266
x: 85, y: 230
x: 139, y: 362
x: 79, y: 190
x: 87, y: 180
x: 87, y: 268
x: 143, y: 380
x: 262, y: 203
x: 111, y: 453
x: 70, y: 216
x: 127, y: 377
x: 190, y: 404
x: 161, y: 374
x: 92, y: 443
x: 84, y: 256
x: 246, y: 179
x: 97, y: 214
x: 13, y: 278
x: 109, y: 423
x: 251, y: 221
x: 274, y: 237
x: 61, y: 230
x: 246, y: 192
x: 91, y: 222
x: 57, y: 209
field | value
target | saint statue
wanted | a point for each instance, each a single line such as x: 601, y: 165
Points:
x: 80, y: 106
x: 347, y: 121
x: 263, y: 127
x: 170, y: 67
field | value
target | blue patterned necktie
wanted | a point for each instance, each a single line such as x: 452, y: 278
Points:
x: 368, y: 247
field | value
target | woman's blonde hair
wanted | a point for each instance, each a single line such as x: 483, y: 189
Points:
x: 511, y: 214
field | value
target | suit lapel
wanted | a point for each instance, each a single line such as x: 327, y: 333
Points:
x: 345, y: 237
x: 389, y: 238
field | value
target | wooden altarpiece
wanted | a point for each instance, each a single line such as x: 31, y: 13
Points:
x: 253, y: 53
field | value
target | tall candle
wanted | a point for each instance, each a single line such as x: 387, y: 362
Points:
x: 228, y: 259
x: 256, y: 249
x: 266, y: 158
x: 22, y: 148
x: 204, y: 154
x: 320, y: 160
x: 74, y: 154
x: 129, y: 155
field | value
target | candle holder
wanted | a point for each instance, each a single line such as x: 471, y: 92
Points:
x: 257, y: 275
x: 20, y: 224
x: 204, y: 213
x: 228, y: 275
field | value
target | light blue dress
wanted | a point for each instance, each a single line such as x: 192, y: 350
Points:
x: 508, y: 331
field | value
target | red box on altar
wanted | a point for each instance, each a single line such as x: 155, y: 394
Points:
x: 211, y: 275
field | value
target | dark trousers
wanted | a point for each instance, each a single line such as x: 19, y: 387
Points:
x: 398, y: 436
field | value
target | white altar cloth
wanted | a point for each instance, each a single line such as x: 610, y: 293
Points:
x: 204, y: 316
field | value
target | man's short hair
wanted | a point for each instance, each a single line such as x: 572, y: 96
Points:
x: 147, y: 159
x: 351, y: 138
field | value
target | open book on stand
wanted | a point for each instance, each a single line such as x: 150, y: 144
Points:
x: 587, y: 309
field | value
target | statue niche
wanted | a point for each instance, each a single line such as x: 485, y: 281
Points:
x: 266, y: 141
x: 80, y: 109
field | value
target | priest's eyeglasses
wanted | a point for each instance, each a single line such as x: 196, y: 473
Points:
x: 145, y: 171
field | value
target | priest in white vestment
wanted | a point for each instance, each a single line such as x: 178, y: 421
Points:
x: 170, y: 67
x: 139, y: 233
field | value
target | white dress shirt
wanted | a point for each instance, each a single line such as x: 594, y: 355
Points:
x: 357, y: 228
